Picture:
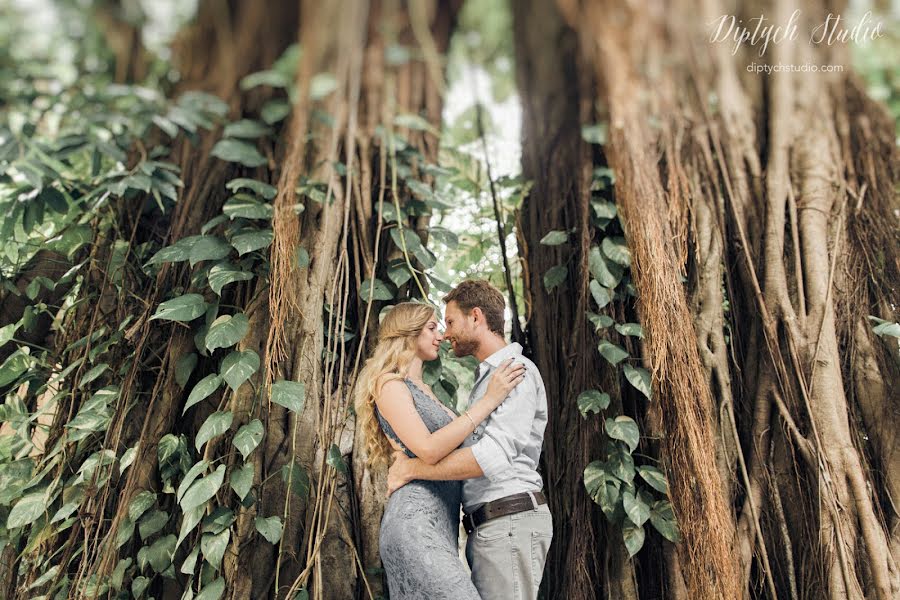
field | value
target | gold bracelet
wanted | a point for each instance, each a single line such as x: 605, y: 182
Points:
x: 470, y: 418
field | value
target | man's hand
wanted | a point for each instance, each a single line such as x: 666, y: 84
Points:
x: 400, y: 472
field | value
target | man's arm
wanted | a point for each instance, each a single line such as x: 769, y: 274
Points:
x: 459, y: 464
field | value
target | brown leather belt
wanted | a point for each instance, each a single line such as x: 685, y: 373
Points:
x: 501, y: 507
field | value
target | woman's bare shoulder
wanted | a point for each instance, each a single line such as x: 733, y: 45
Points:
x: 391, y: 386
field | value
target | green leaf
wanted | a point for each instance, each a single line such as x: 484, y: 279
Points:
x: 138, y: 586
x: 599, y: 321
x: 125, y: 532
x: 252, y: 240
x: 409, y: 237
x: 301, y: 258
x: 265, y: 190
x: 247, y: 207
x: 639, y: 378
x: 594, y: 134
x: 27, y: 510
x: 183, y: 308
x: 219, y: 520
x: 601, y: 295
x: 204, y: 388
x: 625, y: 429
x: 555, y: 276
x: 161, y: 553
x: 398, y: 273
x: 184, y: 367
x: 208, y: 247
x: 227, y: 330
x: 883, y: 328
x: 212, y: 591
x: 177, y: 252
x: 445, y: 236
x: 611, y: 352
x: 555, y: 238
x: 633, y: 329
x: 270, y: 78
x: 334, y: 459
x: 127, y: 458
x: 152, y: 523
x: 379, y: 290
x: 633, y: 535
x: 203, y: 489
x: 237, y: 367
x: 616, y: 250
x: 92, y: 374
x: 425, y: 256
x: 190, y: 477
x: 7, y: 332
x: 54, y: 200
x: 621, y: 463
x: 215, y: 425
x: 655, y: 478
x: 223, y: 273
x: 635, y: 508
x: 663, y: 520
x: 608, y: 273
x: 275, y: 110
x: 299, y: 480
x: 13, y: 367
x: 140, y: 503
x: 239, y: 152
x: 602, y: 487
x: 246, y: 128
x: 242, y: 480
x: 321, y: 85
x: 213, y: 546
x: 592, y: 401
x: 188, y: 522
x: 289, y: 394
x: 248, y: 437
x: 269, y: 528
x: 190, y: 562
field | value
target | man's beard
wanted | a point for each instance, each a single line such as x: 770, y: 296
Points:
x: 464, y: 347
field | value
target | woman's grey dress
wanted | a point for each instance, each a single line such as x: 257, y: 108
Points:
x: 419, y: 540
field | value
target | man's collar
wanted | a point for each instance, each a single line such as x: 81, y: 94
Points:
x: 507, y: 351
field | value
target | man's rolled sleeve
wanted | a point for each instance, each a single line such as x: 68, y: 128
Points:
x: 506, y: 431
x: 492, y: 459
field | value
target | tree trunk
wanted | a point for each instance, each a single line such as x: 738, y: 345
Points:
x: 751, y: 205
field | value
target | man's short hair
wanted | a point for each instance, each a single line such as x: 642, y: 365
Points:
x: 479, y: 292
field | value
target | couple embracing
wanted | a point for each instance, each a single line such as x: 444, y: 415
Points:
x: 484, y: 459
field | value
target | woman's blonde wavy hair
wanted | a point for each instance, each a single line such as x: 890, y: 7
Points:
x: 395, y: 350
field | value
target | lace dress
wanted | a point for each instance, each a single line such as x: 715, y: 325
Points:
x: 420, y: 528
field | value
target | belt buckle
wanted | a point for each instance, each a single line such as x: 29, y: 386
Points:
x: 468, y: 524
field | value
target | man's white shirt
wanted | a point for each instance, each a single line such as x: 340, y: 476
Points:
x: 507, y: 445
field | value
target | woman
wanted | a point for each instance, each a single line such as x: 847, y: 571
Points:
x: 420, y: 527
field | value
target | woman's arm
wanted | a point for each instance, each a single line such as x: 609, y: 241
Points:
x: 396, y: 405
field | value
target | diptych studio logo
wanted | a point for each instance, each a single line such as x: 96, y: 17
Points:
x: 761, y: 33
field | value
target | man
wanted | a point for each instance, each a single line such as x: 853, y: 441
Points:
x: 506, y: 514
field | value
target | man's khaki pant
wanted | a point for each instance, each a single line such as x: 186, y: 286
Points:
x: 507, y: 554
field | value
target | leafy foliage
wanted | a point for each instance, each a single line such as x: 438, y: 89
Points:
x: 628, y: 493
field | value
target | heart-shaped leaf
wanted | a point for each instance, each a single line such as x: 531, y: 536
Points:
x: 227, y: 330
x: 624, y: 428
x: 183, y: 308
x: 237, y: 367
x: 215, y: 425
x: 248, y: 437
x: 289, y: 394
